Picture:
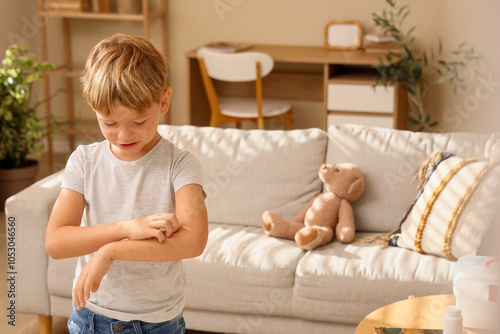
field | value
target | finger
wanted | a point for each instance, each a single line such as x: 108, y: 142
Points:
x: 159, y: 235
x: 164, y: 227
x: 174, y: 222
x: 86, y: 290
x: 159, y: 216
x: 159, y: 223
x: 94, y: 287
x: 75, y: 299
x: 168, y: 230
x: 77, y: 293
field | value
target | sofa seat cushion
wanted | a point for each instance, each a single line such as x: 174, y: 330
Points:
x: 246, y: 172
x: 345, y: 282
x: 243, y: 270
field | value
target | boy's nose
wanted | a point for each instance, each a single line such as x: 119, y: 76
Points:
x: 124, y: 134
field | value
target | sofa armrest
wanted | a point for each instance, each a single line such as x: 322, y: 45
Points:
x: 28, y: 212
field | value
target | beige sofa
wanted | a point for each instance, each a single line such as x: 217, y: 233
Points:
x: 248, y: 282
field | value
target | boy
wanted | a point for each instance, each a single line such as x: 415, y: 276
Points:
x: 132, y: 206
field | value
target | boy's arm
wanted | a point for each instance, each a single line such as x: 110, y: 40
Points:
x: 189, y: 241
x: 65, y: 238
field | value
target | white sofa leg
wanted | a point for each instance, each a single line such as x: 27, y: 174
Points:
x: 45, y: 324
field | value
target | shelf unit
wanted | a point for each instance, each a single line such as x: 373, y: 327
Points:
x: 70, y: 71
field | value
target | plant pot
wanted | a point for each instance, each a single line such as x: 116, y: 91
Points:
x: 16, y: 179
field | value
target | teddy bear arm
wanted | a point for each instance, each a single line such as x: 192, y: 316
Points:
x: 301, y: 215
x: 345, y: 228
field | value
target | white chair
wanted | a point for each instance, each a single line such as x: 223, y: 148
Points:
x: 240, y: 67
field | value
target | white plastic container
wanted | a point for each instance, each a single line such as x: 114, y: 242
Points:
x: 475, y: 286
x: 452, y: 320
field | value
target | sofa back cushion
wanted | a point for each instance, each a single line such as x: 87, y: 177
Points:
x: 389, y: 159
x: 246, y: 172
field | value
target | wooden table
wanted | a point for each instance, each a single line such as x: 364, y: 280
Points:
x: 421, y: 312
x: 301, y: 73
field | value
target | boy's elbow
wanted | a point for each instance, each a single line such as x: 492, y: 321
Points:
x: 199, y: 243
x: 52, y: 250
x: 52, y: 253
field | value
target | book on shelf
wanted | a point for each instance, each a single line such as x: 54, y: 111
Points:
x: 68, y: 5
x: 379, y: 38
x: 104, y: 6
x: 384, y: 47
x: 228, y: 46
x: 99, y: 6
x: 94, y: 6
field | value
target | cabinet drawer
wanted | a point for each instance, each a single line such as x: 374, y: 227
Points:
x: 376, y: 121
x: 353, y: 97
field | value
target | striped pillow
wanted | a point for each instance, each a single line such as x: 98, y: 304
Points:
x: 457, y: 201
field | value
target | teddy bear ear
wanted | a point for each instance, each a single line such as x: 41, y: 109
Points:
x: 356, y: 189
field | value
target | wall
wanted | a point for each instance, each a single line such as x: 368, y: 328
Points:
x: 301, y: 23
x: 477, y: 109
x: 298, y: 22
x: 18, y: 23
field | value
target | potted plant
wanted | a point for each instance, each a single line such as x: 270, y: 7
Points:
x: 419, y: 72
x: 21, y: 130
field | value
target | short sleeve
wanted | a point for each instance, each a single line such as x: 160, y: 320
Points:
x: 187, y: 170
x: 74, y: 172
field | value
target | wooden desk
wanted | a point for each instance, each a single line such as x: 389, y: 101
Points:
x: 302, y: 73
x: 422, y: 312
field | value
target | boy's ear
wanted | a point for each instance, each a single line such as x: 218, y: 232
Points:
x: 165, y: 101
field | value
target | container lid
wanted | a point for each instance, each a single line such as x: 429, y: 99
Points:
x: 475, y: 265
x: 476, y: 277
x: 453, y: 311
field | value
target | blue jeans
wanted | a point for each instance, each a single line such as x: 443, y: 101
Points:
x: 88, y: 322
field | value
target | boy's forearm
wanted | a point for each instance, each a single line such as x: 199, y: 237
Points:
x: 74, y: 241
x: 183, y: 244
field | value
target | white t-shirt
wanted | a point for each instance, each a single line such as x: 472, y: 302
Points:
x: 117, y: 190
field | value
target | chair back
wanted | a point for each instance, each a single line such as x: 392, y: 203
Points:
x: 235, y: 67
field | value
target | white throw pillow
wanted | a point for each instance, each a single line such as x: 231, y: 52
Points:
x: 453, y: 210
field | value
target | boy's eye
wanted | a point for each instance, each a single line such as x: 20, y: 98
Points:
x: 140, y: 123
x: 109, y: 124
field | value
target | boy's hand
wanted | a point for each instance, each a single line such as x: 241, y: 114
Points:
x: 90, y: 277
x: 158, y: 226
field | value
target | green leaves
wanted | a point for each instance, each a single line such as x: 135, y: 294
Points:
x: 20, y: 128
x: 418, y: 73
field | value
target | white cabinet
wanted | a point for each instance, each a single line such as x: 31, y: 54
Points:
x: 353, y: 98
x: 378, y: 121
x: 360, y: 98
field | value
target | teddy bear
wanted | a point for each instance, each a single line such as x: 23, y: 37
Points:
x: 327, y: 212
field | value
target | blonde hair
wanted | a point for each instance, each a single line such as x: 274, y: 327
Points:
x: 124, y: 69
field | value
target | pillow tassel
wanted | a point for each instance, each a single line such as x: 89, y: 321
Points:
x: 422, y: 173
x: 382, y: 238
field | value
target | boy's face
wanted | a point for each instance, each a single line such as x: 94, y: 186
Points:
x: 131, y: 133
